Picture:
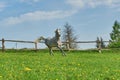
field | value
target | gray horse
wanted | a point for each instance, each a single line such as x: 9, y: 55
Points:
x: 53, y: 42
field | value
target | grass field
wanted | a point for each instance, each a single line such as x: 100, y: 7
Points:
x: 77, y: 65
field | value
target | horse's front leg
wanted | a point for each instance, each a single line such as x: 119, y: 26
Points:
x: 63, y: 53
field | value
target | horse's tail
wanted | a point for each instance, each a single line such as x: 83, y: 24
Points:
x: 39, y: 39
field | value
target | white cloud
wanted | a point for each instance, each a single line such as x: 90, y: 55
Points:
x: 93, y: 3
x: 36, y: 16
x: 30, y: 1
x: 2, y: 6
x: 76, y: 3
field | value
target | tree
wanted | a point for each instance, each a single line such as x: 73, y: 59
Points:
x: 115, y: 35
x: 69, y: 37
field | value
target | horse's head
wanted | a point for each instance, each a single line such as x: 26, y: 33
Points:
x: 57, y: 32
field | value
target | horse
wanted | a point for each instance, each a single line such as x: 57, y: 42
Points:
x: 53, y: 42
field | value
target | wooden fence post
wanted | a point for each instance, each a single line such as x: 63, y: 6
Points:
x: 3, y: 46
x: 35, y: 46
x: 99, y: 47
x: 67, y: 45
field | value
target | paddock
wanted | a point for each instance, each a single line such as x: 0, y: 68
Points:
x: 77, y: 65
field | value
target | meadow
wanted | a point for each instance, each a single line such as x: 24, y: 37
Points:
x: 77, y: 65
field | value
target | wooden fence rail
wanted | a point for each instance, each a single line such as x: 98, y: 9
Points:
x: 85, y: 42
x: 21, y: 41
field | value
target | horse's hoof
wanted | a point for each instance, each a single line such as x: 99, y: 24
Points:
x: 64, y: 55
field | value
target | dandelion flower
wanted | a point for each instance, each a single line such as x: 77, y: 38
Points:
x: 78, y: 64
x: 27, y: 69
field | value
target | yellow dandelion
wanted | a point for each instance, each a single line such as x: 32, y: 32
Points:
x: 27, y: 69
x: 46, y: 70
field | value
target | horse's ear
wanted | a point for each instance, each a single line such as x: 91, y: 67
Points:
x: 59, y: 30
x: 56, y: 30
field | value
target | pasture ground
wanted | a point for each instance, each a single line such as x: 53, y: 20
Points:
x: 77, y: 65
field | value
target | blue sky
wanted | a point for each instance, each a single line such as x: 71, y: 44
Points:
x: 29, y: 19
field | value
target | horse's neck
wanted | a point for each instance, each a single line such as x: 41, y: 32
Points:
x: 57, y: 37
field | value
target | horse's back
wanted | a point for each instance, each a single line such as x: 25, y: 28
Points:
x: 51, y: 42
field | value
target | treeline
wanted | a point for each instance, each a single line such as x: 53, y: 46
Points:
x: 70, y: 37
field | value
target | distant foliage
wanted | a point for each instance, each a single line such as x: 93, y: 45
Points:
x: 69, y: 36
x: 115, y: 35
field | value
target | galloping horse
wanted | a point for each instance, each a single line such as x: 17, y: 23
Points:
x: 53, y: 42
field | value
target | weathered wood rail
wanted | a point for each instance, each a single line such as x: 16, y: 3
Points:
x: 32, y: 42
x: 18, y: 41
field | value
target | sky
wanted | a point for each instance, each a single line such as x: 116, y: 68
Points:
x: 29, y: 19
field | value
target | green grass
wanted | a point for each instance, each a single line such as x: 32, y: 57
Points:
x: 77, y: 65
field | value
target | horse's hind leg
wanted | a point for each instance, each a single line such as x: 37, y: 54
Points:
x: 63, y: 53
x: 50, y: 51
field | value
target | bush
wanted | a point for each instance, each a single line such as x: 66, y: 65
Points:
x: 114, y: 44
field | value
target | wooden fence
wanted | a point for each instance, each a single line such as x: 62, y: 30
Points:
x: 32, y: 42
x: 19, y: 41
